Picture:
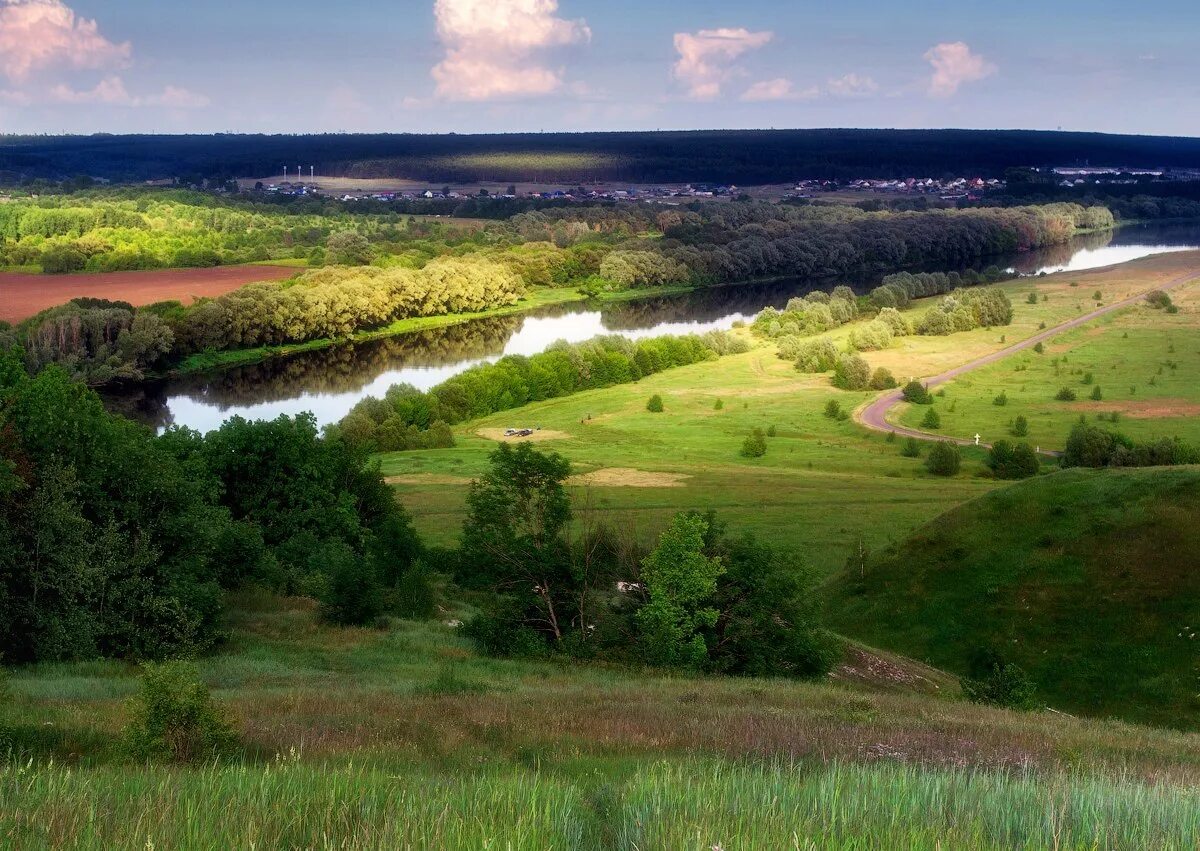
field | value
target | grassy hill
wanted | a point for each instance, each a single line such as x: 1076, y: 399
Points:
x: 403, y: 737
x: 1087, y: 579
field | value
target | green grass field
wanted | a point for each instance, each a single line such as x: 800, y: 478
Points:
x: 1085, y: 578
x: 824, y: 485
x: 1144, y: 361
x: 404, y: 737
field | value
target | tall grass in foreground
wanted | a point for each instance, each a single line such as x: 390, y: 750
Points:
x: 290, y: 806
x: 898, y: 806
x: 670, y: 806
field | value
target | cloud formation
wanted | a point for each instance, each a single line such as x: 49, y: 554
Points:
x: 46, y: 34
x: 492, y: 47
x: 953, y: 66
x: 706, y: 57
x: 111, y: 91
x: 852, y: 86
x: 778, y: 89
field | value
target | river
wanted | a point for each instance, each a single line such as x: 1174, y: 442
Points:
x: 329, y: 382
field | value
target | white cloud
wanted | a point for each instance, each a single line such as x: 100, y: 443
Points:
x: 778, y: 89
x: 492, y: 47
x: 955, y: 65
x: 111, y: 91
x: 852, y: 86
x: 706, y: 57
x: 46, y: 34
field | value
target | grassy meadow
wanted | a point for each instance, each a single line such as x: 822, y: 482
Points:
x: 825, y: 485
x: 403, y: 737
x: 1144, y: 361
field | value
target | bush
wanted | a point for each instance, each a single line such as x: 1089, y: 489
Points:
x: 500, y: 631
x: 772, y: 431
x: 655, y: 405
x: 719, y: 405
x: 997, y: 683
x: 917, y: 393
x: 1040, y: 348
x: 1020, y: 426
x: 351, y: 596
x: 1159, y: 300
x: 755, y: 446
x: 911, y: 448
x: 932, y: 419
x: 1097, y: 394
x: 852, y: 373
x: 833, y: 409
x: 873, y: 336
x: 174, y: 718
x: 1032, y: 298
x: 818, y: 355
x: 1001, y: 400
x: 883, y: 379
x: 1066, y: 394
x: 1010, y: 462
x: 944, y: 459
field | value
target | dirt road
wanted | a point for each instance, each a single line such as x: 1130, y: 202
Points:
x: 874, y: 415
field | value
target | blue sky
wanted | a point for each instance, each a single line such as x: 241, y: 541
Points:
x: 506, y: 65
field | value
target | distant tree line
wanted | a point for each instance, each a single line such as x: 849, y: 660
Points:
x: 409, y: 419
x: 1092, y: 446
x: 745, y: 157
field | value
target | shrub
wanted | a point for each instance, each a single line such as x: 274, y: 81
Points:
x: 1020, y: 427
x: 944, y: 459
x: 873, y: 336
x: 932, y: 419
x: 896, y: 322
x: 1001, y: 400
x: 1032, y: 299
x: 819, y: 355
x: 772, y: 431
x: 755, y: 446
x: 997, y: 683
x: 655, y: 405
x: 882, y: 379
x: 351, y: 596
x: 1039, y: 348
x: 499, y: 631
x: 1088, y: 378
x: 917, y: 393
x: 1066, y: 394
x: 1159, y: 300
x: 1010, y: 462
x: 852, y: 373
x: 911, y: 448
x: 719, y: 405
x: 1097, y: 393
x: 174, y: 718
x: 833, y: 409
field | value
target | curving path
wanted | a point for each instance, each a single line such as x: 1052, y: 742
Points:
x: 874, y: 415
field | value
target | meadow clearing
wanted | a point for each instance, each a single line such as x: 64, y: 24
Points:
x: 826, y: 485
x: 405, y: 738
x: 1140, y: 362
x: 402, y: 735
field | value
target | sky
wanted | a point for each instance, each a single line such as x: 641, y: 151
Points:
x: 433, y: 66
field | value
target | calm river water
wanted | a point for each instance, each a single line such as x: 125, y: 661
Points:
x: 329, y: 382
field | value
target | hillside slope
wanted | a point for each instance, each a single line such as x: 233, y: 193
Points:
x: 1089, y: 580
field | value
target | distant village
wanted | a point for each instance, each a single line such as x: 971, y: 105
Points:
x: 949, y: 189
